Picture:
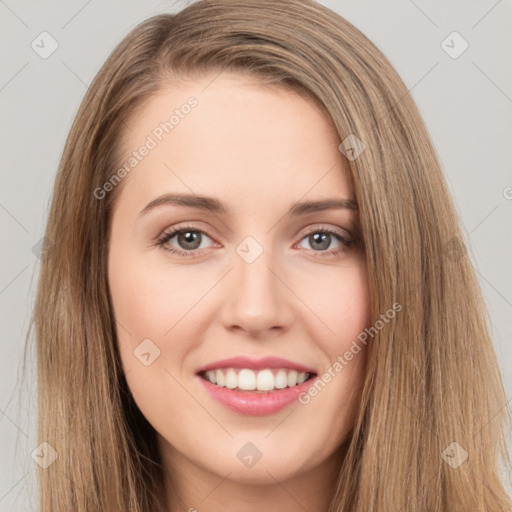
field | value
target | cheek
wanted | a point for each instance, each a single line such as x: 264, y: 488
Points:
x: 350, y: 316
x: 340, y: 300
x: 146, y: 308
x: 153, y: 301
x: 140, y: 309
x: 344, y: 309
x: 150, y: 299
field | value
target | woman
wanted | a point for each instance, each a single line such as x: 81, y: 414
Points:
x: 197, y: 350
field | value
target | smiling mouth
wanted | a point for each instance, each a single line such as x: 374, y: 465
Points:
x: 256, y: 381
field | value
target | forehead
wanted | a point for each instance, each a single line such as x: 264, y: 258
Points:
x: 227, y: 135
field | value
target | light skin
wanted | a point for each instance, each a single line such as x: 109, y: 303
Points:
x: 258, y: 149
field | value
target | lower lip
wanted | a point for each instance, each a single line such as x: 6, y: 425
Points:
x: 256, y: 404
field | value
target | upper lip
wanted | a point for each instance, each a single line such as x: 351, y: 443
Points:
x: 255, y: 364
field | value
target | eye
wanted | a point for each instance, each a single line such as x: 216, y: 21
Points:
x: 320, y: 239
x: 190, y: 240
x: 188, y: 237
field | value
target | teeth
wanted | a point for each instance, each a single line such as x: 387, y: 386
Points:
x: 246, y: 380
x: 231, y: 379
x: 219, y: 377
x: 210, y: 375
x: 292, y: 378
x: 265, y: 380
x: 281, y: 379
x: 249, y: 380
x: 301, y: 378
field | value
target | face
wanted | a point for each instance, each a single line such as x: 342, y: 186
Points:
x: 193, y: 284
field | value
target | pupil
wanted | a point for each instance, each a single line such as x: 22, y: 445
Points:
x: 321, y: 238
x: 189, y: 237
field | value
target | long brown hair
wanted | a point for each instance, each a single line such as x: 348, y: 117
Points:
x: 432, y: 376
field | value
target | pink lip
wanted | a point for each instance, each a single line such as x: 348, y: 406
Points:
x: 255, y: 364
x: 255, y: 404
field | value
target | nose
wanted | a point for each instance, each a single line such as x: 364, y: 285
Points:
x: 258, y: 300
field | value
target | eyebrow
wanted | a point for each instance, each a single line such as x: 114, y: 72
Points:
x: 215, y: 206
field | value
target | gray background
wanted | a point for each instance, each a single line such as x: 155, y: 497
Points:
x: 466, y: 103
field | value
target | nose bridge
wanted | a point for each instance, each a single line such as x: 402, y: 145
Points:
x: 252, y: 268
x: 258, y: 299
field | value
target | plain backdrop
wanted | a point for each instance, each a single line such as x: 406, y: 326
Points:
x: 465, y: 100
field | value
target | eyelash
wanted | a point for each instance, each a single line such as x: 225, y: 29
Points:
x: 167, y: 235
